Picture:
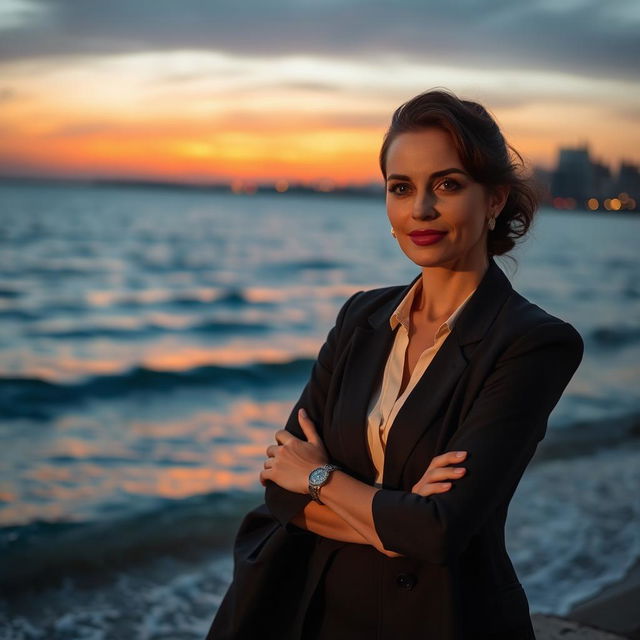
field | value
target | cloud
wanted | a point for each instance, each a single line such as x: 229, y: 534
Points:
x: 83, y: 129
x: 580, y: 37
x: 7, y: 94
x: 16, y: 14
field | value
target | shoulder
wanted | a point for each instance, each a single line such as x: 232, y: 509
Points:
x: 526, y: 316
x: 529, y: 326
x: 518, y: 320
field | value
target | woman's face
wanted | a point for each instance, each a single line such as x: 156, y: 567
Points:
x: 428, y: 189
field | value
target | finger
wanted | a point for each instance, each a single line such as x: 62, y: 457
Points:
x: 454, y: 456
x: 308, y: 428
x: 444, y: 459
x: 431, y: 488
x: 450, y: 457
x: 268, y: 463
x: 283, y: 436
x: 442, y: 474
x: 446, y: 473
x: 272, y: 449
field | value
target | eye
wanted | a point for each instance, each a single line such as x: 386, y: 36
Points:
x: 454, y: 184
x: 399, y: 188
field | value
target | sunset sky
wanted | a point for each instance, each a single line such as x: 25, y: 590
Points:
x: 301, y: 89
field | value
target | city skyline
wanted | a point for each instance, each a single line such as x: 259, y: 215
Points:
x: 576, y: 177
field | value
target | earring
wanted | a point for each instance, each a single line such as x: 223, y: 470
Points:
x: 393, y: 232
x: 492, y: 223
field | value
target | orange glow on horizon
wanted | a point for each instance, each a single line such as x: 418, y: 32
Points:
x: 343, y: 156
x: 123, y: 116
x: 332, y: 155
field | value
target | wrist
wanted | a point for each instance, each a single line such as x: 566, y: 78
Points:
x: 318, y: 477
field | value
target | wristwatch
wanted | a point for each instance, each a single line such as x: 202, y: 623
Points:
x: 318, y: 478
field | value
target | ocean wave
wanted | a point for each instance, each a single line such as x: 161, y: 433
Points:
x: 587, y: 437
x: 235, y: 297
x: 146, y: 330
x: 293, y: 266
x: 9, y: 293
x: 19, y: 314
x: 616, y: 336
x: 43, y: 552
x: 40, y: 399
x: 230, y: 296
x: 227, y: 298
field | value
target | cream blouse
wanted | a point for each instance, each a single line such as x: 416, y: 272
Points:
x: 385, y: 403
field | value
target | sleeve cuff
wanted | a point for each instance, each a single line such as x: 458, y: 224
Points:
x: 284, y: 504
x: 409, y: 524
x: 387, y: 517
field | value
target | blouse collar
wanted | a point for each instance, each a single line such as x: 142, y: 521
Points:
x: 402, y: 313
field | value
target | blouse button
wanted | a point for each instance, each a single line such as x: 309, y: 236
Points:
x: 406, y: 580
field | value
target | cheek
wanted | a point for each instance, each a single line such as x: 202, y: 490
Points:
x: 394, y: 211
x: 467, y: 219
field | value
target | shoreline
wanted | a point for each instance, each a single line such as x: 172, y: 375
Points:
x: 612, y: 613
x: 616, y: 607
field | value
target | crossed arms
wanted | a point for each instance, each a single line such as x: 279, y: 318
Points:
x: 500, y: 432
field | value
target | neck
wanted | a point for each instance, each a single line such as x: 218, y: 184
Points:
x: 443, y: 289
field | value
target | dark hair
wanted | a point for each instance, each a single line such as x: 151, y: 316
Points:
x: 484, y: 154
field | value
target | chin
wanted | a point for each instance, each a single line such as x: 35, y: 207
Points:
x: 428, y: 258
x: 448, y: 257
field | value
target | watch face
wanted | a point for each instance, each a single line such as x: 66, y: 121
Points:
x: 318, y: 476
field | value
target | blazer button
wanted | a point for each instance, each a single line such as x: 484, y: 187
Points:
x: 406, y: 580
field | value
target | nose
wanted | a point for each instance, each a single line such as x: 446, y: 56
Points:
x: 423, y: 207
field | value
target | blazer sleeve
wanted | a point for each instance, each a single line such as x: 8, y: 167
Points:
x: 282, y: 503
x: 500, y: 432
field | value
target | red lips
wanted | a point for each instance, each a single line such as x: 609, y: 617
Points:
x: 426, y: 232
x: 425, y: 237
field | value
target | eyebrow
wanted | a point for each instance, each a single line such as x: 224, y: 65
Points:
x: 435, y: 174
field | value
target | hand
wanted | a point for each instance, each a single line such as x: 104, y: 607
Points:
x: 432, y: 480
x: 290, y: 462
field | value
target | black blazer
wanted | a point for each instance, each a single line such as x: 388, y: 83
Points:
x: 489, y: 391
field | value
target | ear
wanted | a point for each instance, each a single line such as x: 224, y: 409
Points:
x: 498, y: 198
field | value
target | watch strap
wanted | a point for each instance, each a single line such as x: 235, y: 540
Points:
x: 314, y: 490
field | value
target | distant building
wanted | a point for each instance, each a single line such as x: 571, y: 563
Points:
x: 578, y: 182
x: 603, y: 182
x: 629, y: 180
x: 574, y: 175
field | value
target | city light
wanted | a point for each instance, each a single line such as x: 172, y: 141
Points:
x: 564, y: 203
x: 580, y: 182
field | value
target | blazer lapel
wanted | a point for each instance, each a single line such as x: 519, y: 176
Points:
x: 364, y: 368
x: 368, y: 352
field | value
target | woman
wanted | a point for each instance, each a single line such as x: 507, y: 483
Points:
x: 406, y: 537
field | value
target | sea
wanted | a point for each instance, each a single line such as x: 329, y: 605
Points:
x: 152, y: 340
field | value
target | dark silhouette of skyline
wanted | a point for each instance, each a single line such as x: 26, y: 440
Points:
x: 578, y: 182
x: 582, y: 182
